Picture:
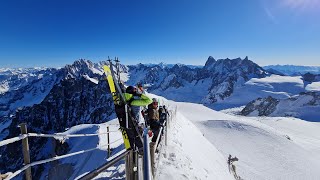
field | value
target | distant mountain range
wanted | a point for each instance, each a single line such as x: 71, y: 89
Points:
x: 171, y: 65
x: 292, y: 69
x: 212, y: 83
x: 220, y: 84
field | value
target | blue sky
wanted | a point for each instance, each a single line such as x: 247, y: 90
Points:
x: 56, y: 32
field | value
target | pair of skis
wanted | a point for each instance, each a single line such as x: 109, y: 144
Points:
x: 118, y: 98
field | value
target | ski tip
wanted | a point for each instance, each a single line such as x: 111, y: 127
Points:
x: 106, y: 68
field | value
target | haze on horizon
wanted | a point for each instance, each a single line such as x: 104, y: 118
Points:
x: 55, y: 33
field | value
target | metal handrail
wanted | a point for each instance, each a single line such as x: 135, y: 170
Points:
x: 159, y: 135
x: 102, y: 168
x: 147, y: 174
x: 165, y: 129
x: 54, y: 159
x: 23, y: 136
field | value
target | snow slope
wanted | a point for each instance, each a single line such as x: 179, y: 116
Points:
x: 314, y: 86
x: 189, y: 155
x: 270, y: 148
x: 191, y: 92
x: 182, y: 158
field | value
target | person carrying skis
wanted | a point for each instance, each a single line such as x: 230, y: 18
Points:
x: 128, y: 122
x: 136, y: 105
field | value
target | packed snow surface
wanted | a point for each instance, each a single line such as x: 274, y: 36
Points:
x: 267, y: 148
x: 189, y: 155
x: 315, y: 86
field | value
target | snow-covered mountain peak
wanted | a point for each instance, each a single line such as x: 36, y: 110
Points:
x: 238, y: 66
x: 162, y: 65
x: 180, y: 67
x: 82, y: 67
x: 81, y: 64
x: 210, y: 62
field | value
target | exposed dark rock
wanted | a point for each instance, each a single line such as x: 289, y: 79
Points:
x: 264, y: 106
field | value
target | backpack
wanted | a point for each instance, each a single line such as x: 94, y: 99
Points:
x: 162, y: 114
x: 121, y: 114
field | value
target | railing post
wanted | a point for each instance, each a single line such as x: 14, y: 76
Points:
x: 108, y: 133
x: 166, y: 134
x: 26, y: 150
x: 152, y: 156
x: 140, y: 168
x: 146, y: 156
x: 136, y: 166
x: 127, y: 162
x: 129, y: 166
x: 167, y: 119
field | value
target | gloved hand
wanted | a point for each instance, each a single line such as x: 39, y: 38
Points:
x: 150, y: 133
x: 137, y: 93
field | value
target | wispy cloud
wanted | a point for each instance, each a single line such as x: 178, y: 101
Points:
x: 270, y: 15
x: 301, y: 4
x: 276, y: 9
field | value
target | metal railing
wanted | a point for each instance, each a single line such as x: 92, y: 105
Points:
x: 133, y: 168
x: 104, y: 167
x: 26, y: 151
x: 163, y: 132
x: 146, y: 156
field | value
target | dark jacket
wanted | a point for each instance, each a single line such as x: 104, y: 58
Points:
x: 153, y: 115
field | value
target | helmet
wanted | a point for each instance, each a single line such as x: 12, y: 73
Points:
x: 131, y: 90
